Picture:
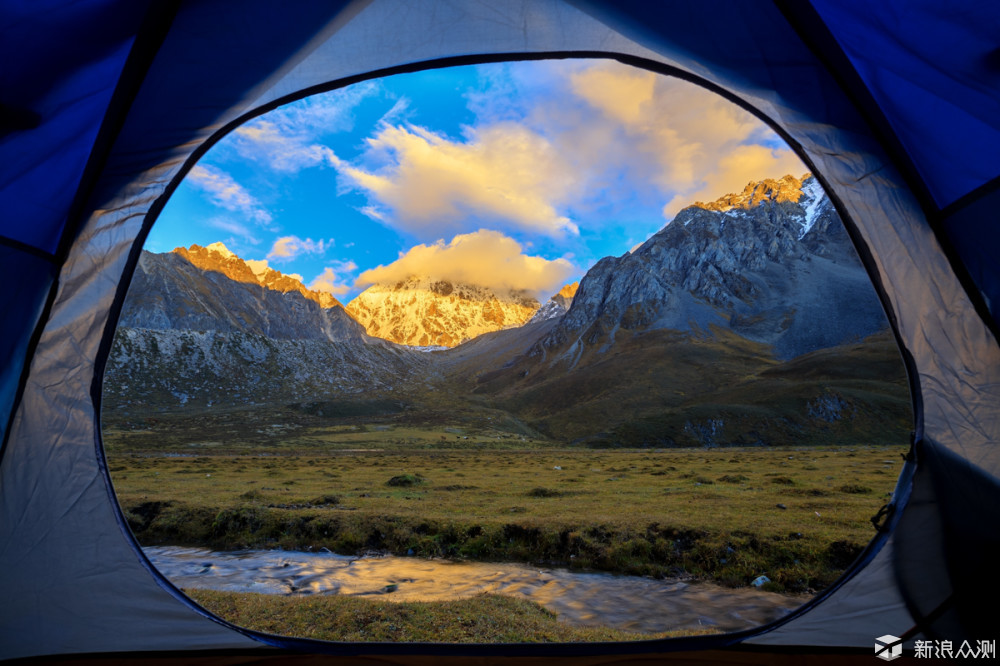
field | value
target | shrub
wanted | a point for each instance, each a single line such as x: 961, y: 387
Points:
x: 405, y: 480
x: 544, y: 492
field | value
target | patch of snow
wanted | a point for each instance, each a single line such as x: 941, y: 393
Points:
x: 220, y: 249
x: 816, y: 198
x: 258, y: 266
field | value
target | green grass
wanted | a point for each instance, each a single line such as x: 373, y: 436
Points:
x: 660, y: 388
x: 708, y: 513
x: 486, y: 618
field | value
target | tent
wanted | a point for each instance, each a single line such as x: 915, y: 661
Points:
x: 106, y: 104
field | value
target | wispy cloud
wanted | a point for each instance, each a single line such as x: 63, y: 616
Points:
x: 289, y: 139
x: 226, y: 193
x: 287, y: 248
x: 262, y: 140
x: 243, y: 232
x: 432, y: 184
x: 485, y: 257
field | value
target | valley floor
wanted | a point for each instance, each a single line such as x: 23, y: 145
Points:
x: 797, y: 515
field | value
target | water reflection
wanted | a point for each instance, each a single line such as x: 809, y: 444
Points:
x: 630, y: 603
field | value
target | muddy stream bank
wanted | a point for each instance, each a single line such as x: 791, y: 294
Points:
x: 631, y: 603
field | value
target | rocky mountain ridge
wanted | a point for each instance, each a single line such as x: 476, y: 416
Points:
x: 773, y: 264
x: 211, y: 289
x: 217, y: 257
x: 201, y: 327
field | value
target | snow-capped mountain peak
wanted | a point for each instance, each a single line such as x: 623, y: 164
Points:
x: 220, y: 248
x: 424, y: 311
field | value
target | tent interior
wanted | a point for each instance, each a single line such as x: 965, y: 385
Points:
x: 106, y: 105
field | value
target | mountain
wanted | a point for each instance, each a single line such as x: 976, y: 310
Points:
x: 201, y: 327
x: 557, y: 305
x: 210, y: 288
x: 218, y: 258
x: 773, y: 264
x: 734, y: 324
x: 425, y: 312
x: 744, y: 321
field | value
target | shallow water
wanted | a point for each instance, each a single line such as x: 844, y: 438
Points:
x: 631, y: 603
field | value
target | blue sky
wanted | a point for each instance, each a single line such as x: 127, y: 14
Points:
x: 514, y: 175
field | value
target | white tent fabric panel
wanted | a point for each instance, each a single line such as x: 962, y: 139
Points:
x: 80, y: 585
x: 867, y: 606
x: 58, y: 521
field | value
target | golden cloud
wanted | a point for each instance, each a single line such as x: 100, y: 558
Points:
x: 504, y: 171
x: 742, y: 165
x: 693, y: 143
x: 485, y: 258
x: 330, y: 282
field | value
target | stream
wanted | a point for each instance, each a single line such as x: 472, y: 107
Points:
x: 631, y: 603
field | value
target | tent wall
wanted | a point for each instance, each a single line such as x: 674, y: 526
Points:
x: 80, y: 584
x: 52, y: 103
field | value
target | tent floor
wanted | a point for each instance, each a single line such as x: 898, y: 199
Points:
x: 732, y: 657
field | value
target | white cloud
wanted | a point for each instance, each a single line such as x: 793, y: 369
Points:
x: 485, y: 258
x: 290, y: 138
x: 289, y: 247
x: 429, y: 184
x: 227, y: 193
x: 263, y: 140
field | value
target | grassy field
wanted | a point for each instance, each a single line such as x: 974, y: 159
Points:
x: 797, y: 515
x: 584, y: 469
x: 487, y: 618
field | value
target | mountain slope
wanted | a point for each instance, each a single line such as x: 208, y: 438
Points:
x: 557, y: 305
x: 698, y: 336
x: 200, y: 328
x: 205, y: 289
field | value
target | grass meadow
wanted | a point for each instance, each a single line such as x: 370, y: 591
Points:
x: 797, y: 515
x: 483, y: 486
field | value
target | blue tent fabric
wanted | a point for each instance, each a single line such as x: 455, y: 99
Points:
x: 893, y: 106
x: 974, y: 231
x: 68, y: 88
x: 934, y: 71
x: 30, y: 278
